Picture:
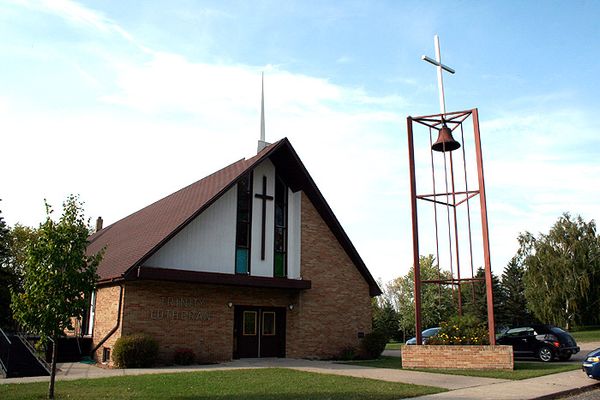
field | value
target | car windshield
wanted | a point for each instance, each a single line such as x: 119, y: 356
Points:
x: 557, y: 330
x: 430, y: 331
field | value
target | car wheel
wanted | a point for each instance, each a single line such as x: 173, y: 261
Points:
x: 564, y: 357
x: 545, y: 354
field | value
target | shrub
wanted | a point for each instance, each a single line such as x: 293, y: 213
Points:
x: 460, y: 331
x: 135, y: 351
x: 348, y: 353
x: 373, y: 344
x: 184, y: 357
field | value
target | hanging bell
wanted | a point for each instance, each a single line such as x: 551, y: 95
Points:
x: 445, y: 141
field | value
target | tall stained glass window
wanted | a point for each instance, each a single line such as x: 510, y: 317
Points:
x: 244, y: 216
x: 281, y: 201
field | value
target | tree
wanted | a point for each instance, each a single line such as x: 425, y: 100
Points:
x: 11, y: 269
x: 6, y: 275
x: 57, y: 276
x: 475, y: 298
x: 20, y: 237
x: 516, y: 310
x: 385, y: 318
x: 562, y: 272
x: 437, y: 302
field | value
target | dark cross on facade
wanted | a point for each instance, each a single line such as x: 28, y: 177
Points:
x: 264, y: 198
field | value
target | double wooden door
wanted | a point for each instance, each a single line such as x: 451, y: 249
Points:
x: 259, y: 332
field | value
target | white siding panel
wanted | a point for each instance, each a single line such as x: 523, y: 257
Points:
x: 293, y: 256
x: 264, y: 267
x: 206, y: 244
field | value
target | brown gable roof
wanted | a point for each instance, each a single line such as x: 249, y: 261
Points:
x: 132, y: 240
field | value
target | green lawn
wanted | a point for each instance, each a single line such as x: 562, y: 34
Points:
x: 523, y: 370
x: 394, y: 346
x: 249, y: 384
x: 381, y: 362
x: 587, y: 336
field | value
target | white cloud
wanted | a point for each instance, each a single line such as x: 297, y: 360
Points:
x: 165, y: 121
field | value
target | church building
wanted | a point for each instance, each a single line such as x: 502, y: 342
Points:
x: 247, y: 262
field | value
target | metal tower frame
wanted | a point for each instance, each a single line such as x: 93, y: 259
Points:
x: 452, y: 198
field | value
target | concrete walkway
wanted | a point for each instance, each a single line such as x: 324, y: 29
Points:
x: 461, y: 387
x: 543, y: 387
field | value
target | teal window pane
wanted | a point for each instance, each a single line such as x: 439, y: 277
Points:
x: 241, y: 261
x: 279, y: 265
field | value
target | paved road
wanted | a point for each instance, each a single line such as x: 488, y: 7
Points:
x: 588, y: 395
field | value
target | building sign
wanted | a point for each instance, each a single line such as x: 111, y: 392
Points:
x: 180, y: 309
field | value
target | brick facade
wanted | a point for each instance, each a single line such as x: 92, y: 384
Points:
x: 458, y: 357
x: 105, y: 318
x: 338, y: 305
x: 325, y: 319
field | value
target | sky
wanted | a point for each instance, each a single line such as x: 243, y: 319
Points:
x: 124, y: 103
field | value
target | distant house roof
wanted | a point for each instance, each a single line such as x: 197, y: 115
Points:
x: 132, y: 240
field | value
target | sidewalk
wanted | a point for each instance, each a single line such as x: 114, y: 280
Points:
x: 549, y: 386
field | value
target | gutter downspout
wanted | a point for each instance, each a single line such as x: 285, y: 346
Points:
x: 114, y: 329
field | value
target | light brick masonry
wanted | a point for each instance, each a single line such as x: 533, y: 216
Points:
x: 458, y: 357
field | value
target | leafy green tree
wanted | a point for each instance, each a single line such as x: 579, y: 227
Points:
x: 20, y: 238
x: 7, y: 277
x: 516, y: 310
x: 385, y: 318
x: 475, y: 298
x: 562, y: 272
x: 56, y: 277
x: 437, y: 302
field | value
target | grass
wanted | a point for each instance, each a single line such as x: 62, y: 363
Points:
x: 592, y: 335
x: 394, y: 346
x: 381, y: 362
x: 523, y: 370
x: 249, y: 384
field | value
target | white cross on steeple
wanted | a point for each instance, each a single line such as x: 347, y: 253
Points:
x: 438, y: 63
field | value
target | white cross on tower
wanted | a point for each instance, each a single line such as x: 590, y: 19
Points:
x: 438, y: 63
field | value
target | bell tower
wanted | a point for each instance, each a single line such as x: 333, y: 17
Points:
x: 444, y: 193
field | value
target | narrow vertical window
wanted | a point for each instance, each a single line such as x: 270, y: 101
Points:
x: 280, y: 259
x: 268, y: 323
x: 105, y: 355
x: 249, y: 323
x: 242, y: 240
x: 90, y: 322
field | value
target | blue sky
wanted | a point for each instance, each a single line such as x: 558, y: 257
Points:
x: 126, y: 102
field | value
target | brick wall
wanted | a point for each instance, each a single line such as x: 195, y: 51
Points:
x: 325, y: 318
x: 338, y: 305
x: 458, y: 357
x: 196, y: 316
x: 105, y: 318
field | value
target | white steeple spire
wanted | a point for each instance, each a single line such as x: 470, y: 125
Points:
x: 262, y: 107
x: 261, y: 142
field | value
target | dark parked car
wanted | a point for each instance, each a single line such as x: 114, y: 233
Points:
x: 591, y: 365
x: 545, y: 342
x: 426, y: 334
